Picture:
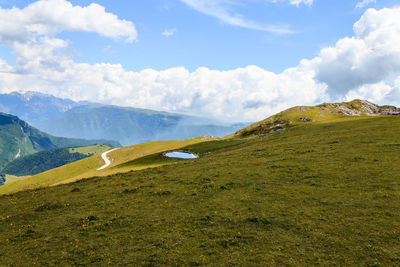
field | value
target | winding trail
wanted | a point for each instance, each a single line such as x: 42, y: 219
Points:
x: 107, y: 162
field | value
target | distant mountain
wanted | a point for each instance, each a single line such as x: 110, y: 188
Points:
x: 131, y: 125
x: 34, y: 106
x: 65, y: 117
x: 19, y: 139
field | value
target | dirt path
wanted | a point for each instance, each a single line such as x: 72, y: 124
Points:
x: 107, y: 162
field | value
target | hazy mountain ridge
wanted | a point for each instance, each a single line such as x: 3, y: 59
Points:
x: 132, y: 125
x: 35, y: 106
x: 65, y: 117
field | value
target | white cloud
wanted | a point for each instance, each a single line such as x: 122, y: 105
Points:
x: 49, y: 17
x: 298, y: 2
x: 168, y: 33
x: 372, y: 92
x: 109, y: 49
x: 222, y: 94
x: 220, y: 9
x: 371, y: 56
x: 364, y: 3
x: 366, y: 65
x: 295, y: 2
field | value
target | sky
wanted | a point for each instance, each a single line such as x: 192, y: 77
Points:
x: 233, y: 60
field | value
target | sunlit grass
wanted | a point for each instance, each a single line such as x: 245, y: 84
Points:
x: 316, y: 194
x: 88, y: 167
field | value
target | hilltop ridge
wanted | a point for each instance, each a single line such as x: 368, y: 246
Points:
x: 319, y: 113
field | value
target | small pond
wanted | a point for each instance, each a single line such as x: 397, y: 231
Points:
x: 181, y: 155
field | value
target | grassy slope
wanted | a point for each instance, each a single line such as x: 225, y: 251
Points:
x: 314, y: 194
x: 88, y: 167
x: 88, y: 150
x: 303, y: 114
x: 13, y: 178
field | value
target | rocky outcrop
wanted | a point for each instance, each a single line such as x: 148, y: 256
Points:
x: 353, y: 108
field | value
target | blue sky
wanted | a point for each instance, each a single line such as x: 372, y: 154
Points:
x: 204, y: 41
x: 230, y: 59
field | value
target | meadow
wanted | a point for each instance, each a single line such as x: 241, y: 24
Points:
x: 315, y: 194
x: 88, y: 167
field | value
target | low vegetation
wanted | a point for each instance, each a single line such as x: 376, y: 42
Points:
x: 324, y: 193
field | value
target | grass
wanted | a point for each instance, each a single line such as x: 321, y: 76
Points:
x: 88, y: 167
x: 89, y: 150
x: 316, y: 194
x: 12, y: 178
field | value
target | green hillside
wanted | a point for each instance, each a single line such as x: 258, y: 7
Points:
x: 50, y: 159
x: 318, y: 193
x: 88, y: 167
x: 320, y: 113
x: 19, y: 139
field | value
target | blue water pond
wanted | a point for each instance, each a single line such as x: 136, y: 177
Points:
x: 181, y: 155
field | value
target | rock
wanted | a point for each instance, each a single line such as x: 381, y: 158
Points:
x: 305, y: 119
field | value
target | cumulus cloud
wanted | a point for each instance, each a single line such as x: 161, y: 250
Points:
x: 48, y: 17
x: 220, y: 9
x: 366, y: 65
x: 220, y: 94
x: 373, y: 92
x: 371, y: 56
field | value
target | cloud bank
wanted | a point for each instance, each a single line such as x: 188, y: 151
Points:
x: 366, y: 65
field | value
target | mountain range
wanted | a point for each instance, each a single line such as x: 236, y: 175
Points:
x: 67, y: 118
x: 34, y: 106
x: 131, y: 125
